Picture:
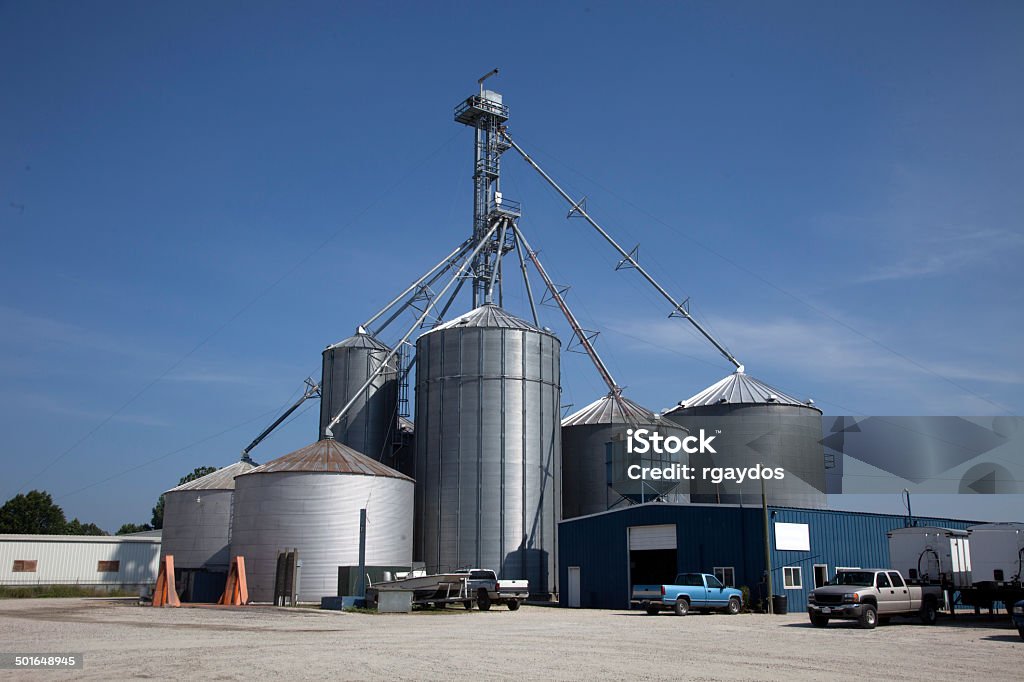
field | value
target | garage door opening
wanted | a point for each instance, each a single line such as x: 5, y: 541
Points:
x: 652, y: 555
x: 652, y: 566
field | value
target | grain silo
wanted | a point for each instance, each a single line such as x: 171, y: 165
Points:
x: 369, y: 425
x: 197, y: 530
x: 753, y: 423
x: 309, y: 500
x: 588, y: 479
x: 488, y: 446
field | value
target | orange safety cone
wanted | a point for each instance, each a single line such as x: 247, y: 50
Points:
x: 165, y: 593
x: 236, y: 591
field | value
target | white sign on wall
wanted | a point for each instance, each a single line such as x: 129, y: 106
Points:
x: 792, y: 536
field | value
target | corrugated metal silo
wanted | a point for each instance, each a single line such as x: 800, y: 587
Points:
x: 753, y: 423
x: 309, y: 500
x: 488, y: 446
x: 197, y: 519
x: 585, y: 434
x: 369, y: 425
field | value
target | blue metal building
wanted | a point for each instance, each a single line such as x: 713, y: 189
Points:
x: 602, y: 555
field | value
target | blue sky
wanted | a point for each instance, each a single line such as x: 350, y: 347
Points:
x: 197, y: 198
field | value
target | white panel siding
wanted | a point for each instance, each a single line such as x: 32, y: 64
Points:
x: 73, y: 560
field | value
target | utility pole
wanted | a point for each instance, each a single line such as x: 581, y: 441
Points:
x: 767, y: 549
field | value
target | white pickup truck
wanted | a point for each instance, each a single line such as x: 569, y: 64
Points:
x: 870, y: 596
x: 483, y: 583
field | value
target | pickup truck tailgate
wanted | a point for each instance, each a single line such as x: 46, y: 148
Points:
x: 513, y: 586
x: 642, y: 592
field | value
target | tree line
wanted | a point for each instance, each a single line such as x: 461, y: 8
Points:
x: 35, y: 513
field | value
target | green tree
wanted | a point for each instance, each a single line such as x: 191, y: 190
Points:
x: 129, y: 528
x: 158, y: 511
x: 76, y: 527
x: 32, y: 513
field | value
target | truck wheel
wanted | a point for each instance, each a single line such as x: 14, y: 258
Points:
x: 483, y: 600
x: 513, y: 604
x: 734, y: 606
x: 682, y: 607
x: 653, y: 610
x: 819, y: 621
x: 868, y: 617
x: 929, y: 614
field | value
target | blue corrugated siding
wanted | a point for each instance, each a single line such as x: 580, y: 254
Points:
x: 837, y: 538
x: 712, y: 535
x: 706, y: 536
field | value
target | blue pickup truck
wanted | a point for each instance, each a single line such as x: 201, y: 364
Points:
x: 700, y: 591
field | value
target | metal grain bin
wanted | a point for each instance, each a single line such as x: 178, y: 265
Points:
x: 752, y: 424
x: 586, y: 486
x: 488, y: 447
x: 369, y: 425
x: 197, y: 519
x: 309, y: 500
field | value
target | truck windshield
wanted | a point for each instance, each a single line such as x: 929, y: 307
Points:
x: 858, y: 578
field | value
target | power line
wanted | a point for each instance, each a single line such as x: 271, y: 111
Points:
x: 166, y: 455
x: 209, y: 337
x: 778, y: 288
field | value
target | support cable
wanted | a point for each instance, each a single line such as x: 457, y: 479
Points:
x: 614, y: 390
x: 628, y: 259
x: 447, y: 262
x: 526, y: 280
x: 416, y: 325
x: 489, y: 298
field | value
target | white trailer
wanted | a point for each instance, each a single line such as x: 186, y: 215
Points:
x: 998, y: 552
x: 932, y: 555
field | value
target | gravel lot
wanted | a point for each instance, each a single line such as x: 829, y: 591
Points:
x: 122, y: 640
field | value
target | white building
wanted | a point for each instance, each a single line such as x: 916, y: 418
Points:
x: 127, y: 562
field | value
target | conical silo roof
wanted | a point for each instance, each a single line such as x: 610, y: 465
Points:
x: 360, y: 340
x: 606, y: 410
x: 740, y: 388
x: 488, y: 315
x: 328, y: 456
x: 221, y: 479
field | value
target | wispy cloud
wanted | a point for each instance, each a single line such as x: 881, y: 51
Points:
x: 39, y: 402
x: 215, y: 377
x: 33, y: 332
x: 946, y: 252
x: 823, y: 350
